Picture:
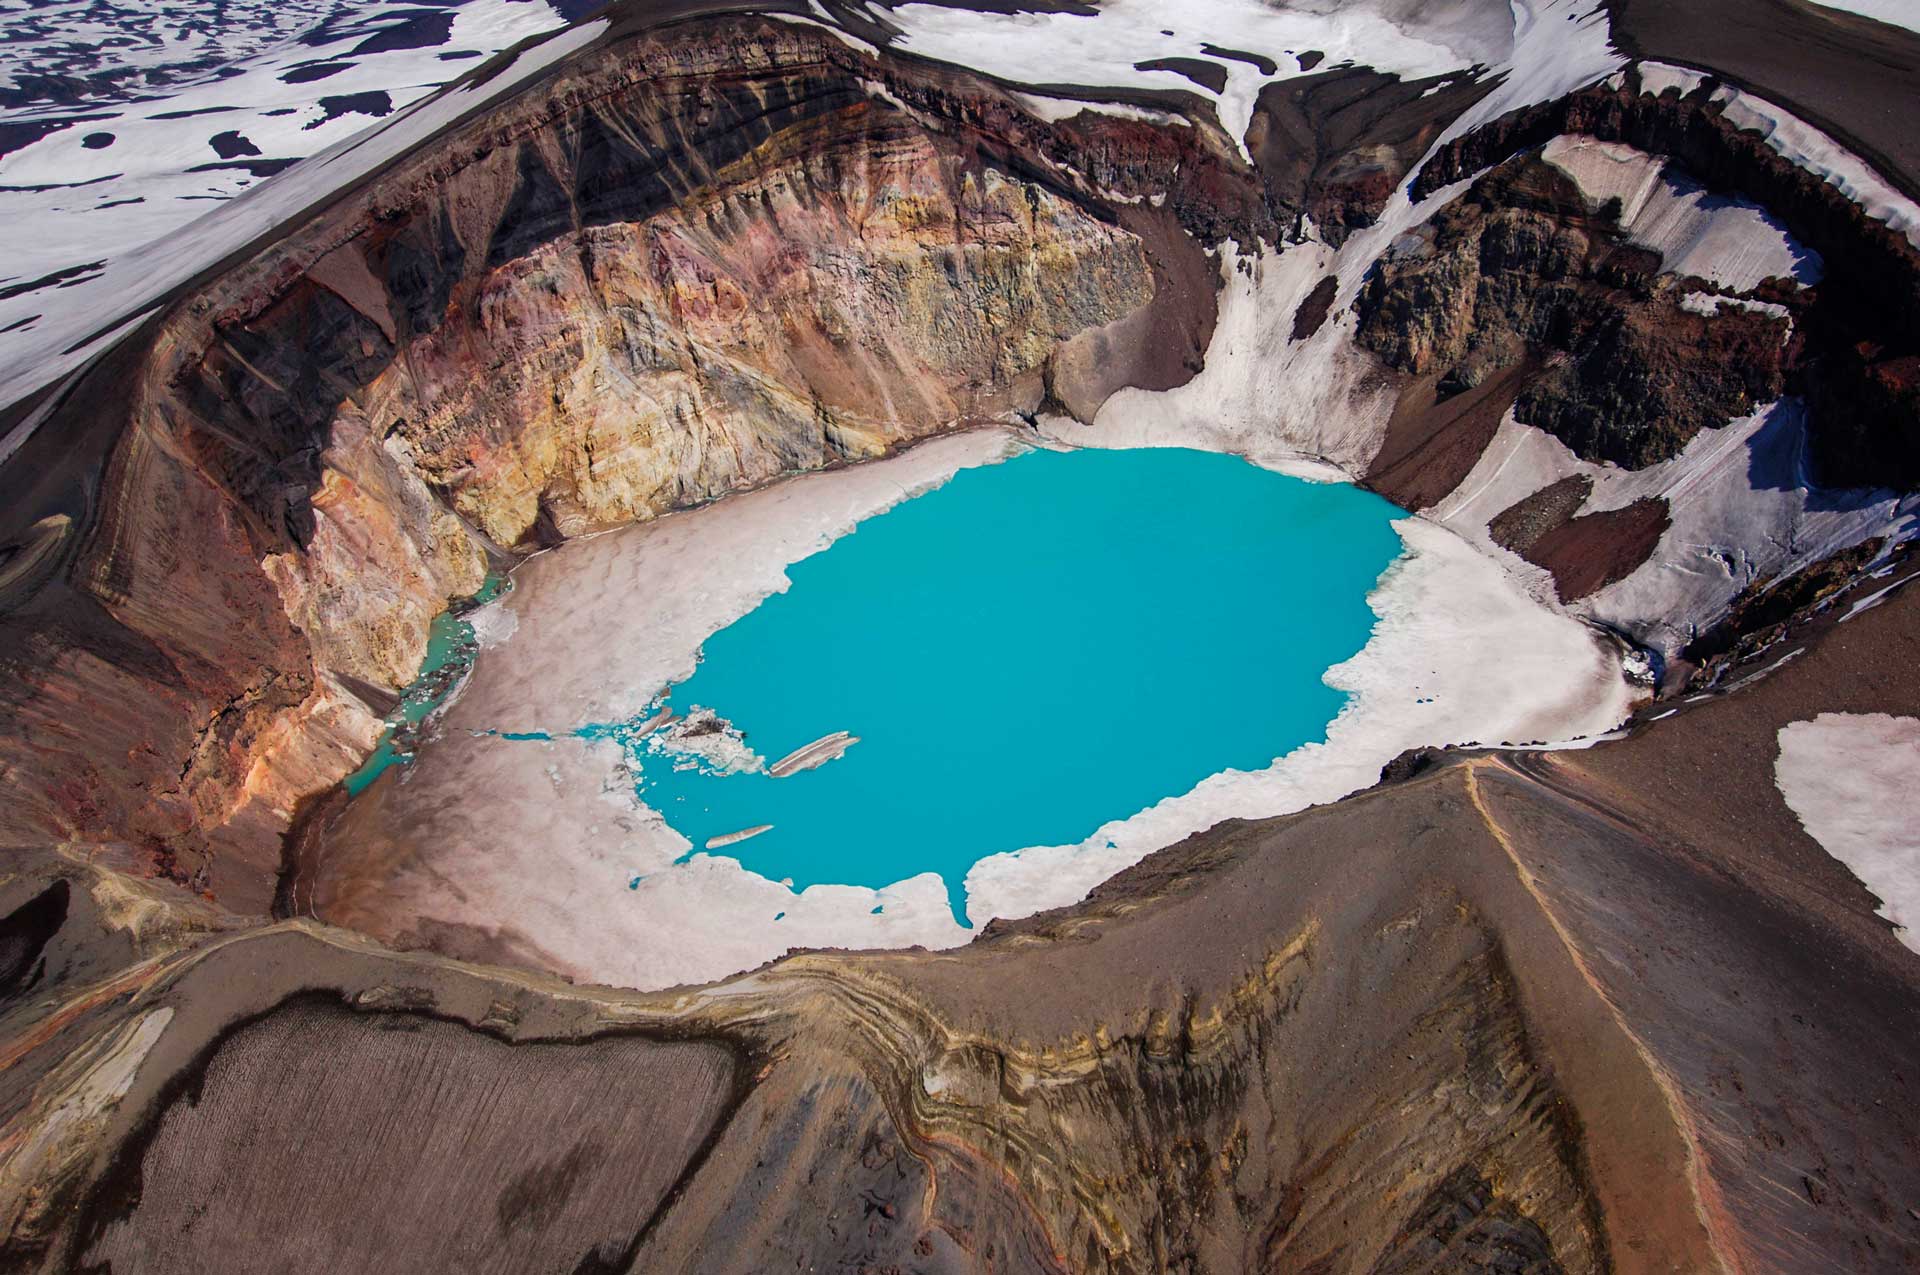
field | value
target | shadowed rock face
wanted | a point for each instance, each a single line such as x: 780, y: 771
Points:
x: 1334, y: 146
x: 1860, y: 334
x: 1522, y: 265
x: 24, y: 935
x: 710, y: 255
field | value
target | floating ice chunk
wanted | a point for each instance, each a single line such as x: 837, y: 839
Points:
x: 705, y: 739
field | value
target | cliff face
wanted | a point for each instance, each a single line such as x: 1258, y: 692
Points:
x: 810, y: 310
x: 705, y: 257
x: 1333, y: 147
x: 693, y: 265
x: 1860, y: 328
x: 1631, y: 288
x: 1523, y: 266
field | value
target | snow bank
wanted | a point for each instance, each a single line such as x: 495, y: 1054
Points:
x: 1799, y: 142
x: 1261, y: 394
x: 70, y: 324
x: 1101, y: 50
x: 1849, y: 778
x: 1535, y: 44
x: 1743, y: 505
x: 1730, y: 242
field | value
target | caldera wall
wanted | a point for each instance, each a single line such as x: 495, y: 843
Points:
x: 739, y: 247
x: 699, y: 261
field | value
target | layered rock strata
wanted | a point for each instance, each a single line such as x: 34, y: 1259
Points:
x: 697, y: 262
x: 1861, y: 328
x: 1611, y: 1010
x: 742, y: 247
x: 1521, y: 265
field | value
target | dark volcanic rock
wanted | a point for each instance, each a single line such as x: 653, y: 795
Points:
x: 1520, y: 527
x: 1644, y: 380
x: 1207, y: 74
x: 1762, y: 610
x: 1265, y: 64
x: 1411, y: 762
x: 1334, y: 146
x: 417, y: 359
x: 1313, y: 309
x: 24, y: 934
x: 1520, y: 264
x: 1583, y: 552
x: 1863, y: 326
x: 232, y: 145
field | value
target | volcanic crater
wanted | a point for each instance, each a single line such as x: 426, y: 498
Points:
x: 349, y: 577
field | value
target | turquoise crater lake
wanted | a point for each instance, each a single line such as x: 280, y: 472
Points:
x: 1025, y: 653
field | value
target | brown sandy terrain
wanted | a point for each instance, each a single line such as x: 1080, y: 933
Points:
x: 424, y: 1170
x: 1601, y: 1010
x: 1433, y: 443
x: 1584, y: 552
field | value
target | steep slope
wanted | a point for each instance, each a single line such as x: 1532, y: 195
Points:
x: 565, y: 326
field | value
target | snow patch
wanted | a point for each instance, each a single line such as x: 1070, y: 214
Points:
x: 1730, y: 242
x: 1248, y: 398
x: 1799, y: 142
x: 1055, y: 109
x: 1743, y: 504
x: 1849, y: 779
x: 71, y: 332
x: 1709, y: 305
x: 1536, y: 44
